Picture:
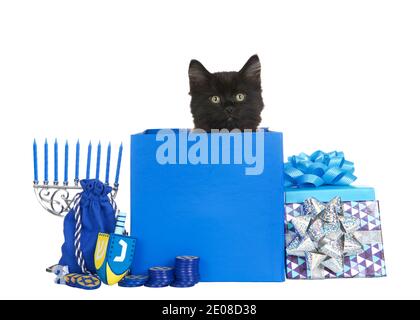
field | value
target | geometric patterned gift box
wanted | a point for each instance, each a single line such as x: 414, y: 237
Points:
x: 367, y: 262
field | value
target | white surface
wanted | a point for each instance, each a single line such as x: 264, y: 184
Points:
x: 336, y: 75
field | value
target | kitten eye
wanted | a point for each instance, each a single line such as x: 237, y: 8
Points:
x: 215, y: 99
x: 240, y: 97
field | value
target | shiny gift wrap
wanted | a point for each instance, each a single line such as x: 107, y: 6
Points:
x: 334, y: 239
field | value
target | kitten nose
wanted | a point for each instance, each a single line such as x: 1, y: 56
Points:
x: 229, y: 109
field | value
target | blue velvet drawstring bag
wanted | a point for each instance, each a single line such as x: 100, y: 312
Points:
x: 93, y: 211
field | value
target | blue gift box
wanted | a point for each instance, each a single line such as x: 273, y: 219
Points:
x: 326, y: 193
x: 193, y: 201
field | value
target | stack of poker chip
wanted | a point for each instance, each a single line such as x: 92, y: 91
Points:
x: 132, y: 281
x: 186, y: 271
x: 160, y: 277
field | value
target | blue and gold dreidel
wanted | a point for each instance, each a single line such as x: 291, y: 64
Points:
x: 114, y: 253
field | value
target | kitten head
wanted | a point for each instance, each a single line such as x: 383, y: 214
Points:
x: 226, y: 100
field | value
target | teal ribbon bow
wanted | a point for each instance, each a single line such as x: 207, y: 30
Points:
x: 317, y: 169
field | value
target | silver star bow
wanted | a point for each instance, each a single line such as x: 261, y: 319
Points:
x: 324, y: 236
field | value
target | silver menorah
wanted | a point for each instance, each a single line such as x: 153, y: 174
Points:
x: 57, y: 198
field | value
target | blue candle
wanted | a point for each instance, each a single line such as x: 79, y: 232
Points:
x: 117, y: 175
x: 55, y: 161
x: 88, y: 160
x: 77, y: 161
x: 108, y: 163
x: 98, y: 161
x: 66, y: 163
x: 46, y: 161
x: 35, y: 162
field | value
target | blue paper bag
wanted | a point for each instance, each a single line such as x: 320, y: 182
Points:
x: 208, y: 197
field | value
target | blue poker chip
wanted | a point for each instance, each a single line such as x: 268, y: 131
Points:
x: 154, y: 280
x: 135, y: 278
x: 160, y: 276
x: 161, y: 269
x: 186, y: 272
x: 185, y: 263
x: 159, y: 283
x: 165, y: 276
x: 88, y: 282
x: 130, y: 285
x: 182, y: 285
x: 156, y: 285
x: 162, y: 280
x: 178, y: 267
x: 168, y: 274
x: 186, y: 281
x: 133, y: 281
x: 187, y: 258
x: 185, y: 266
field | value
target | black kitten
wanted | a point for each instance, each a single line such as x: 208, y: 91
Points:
x: 226, y: 100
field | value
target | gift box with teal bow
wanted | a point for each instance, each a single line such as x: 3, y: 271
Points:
x: 333, y: 229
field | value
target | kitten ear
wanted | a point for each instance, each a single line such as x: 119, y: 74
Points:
x: 198, y: 73
x: 252, y: 69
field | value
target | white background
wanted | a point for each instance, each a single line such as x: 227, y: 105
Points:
x: 336, y: 75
